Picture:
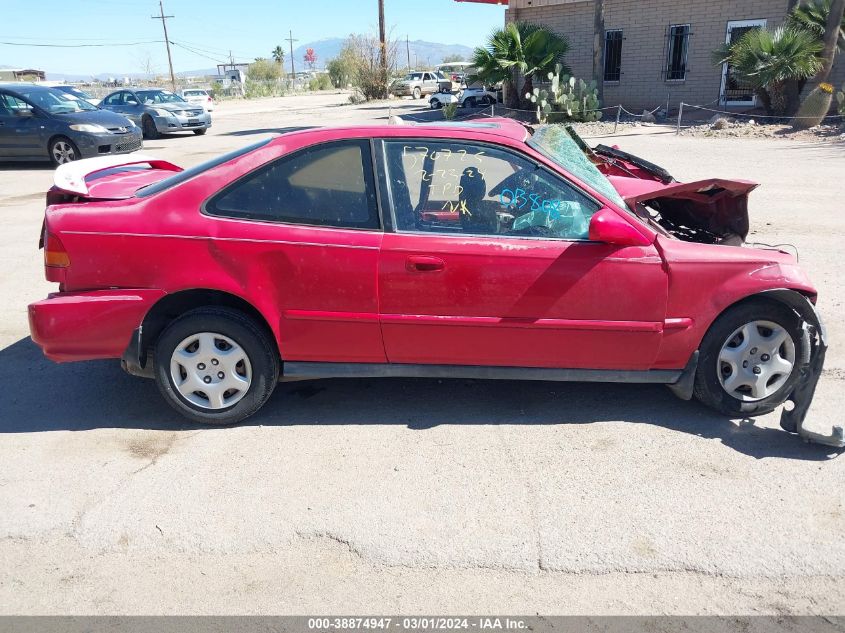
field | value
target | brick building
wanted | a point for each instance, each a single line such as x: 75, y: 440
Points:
x: 658, y: 51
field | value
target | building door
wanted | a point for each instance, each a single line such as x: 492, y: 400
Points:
x: 735, y: 90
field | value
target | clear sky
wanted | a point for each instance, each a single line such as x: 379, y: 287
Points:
x: 250, y: 28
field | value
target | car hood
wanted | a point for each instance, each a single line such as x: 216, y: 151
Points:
x: 171, y: 107
x: 99, y: 117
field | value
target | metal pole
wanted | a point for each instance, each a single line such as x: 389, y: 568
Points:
x: 680, y: 115
x: 618, y: 115
x: 292, y: 67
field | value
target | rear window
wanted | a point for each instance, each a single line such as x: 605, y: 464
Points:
x: 189, y: 173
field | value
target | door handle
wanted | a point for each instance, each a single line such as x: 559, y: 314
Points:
x: 424, y: 264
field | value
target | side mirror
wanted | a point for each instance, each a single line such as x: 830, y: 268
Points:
x: 609, y: 227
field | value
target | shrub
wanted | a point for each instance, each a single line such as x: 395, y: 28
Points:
x: 264, y: 70
x: 449, y: 110
x: 320, y: 82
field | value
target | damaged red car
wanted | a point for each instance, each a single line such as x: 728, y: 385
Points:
x: 484, y: 250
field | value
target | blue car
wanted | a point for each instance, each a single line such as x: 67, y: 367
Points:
x: 39, y: 123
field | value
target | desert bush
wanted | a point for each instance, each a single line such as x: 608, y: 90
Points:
x: 320, y: 82
x: 264, y: 70
x: 254, y: 89
x: 449, y: 111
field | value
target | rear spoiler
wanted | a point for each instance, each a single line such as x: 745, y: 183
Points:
x: 70, y: 177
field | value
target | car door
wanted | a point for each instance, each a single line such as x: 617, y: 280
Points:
x: 303, y: 232
x: 429, y: 83
x: 490, y: 263
x: 20, y: 128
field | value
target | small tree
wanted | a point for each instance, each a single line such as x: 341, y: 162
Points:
x: 264, y: 70
x: 450, y: 59
x: 310, y: 58
x: 769, y: 59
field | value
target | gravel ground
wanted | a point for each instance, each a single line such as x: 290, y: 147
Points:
x: 363, y: 496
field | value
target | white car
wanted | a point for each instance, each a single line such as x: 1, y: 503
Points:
x: 199, y: 97
x: 466, y: 98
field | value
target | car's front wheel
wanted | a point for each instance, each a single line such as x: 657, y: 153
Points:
x: 149, y: 128
x: 200, y: 132
x: 751, y: 358
x: 63, y: 150
x: 216, y: 365
x: 435, y: 104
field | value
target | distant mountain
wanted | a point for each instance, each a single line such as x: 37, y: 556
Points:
x: 422, y: 53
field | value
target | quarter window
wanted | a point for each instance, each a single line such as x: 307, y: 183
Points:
x: 462, y: 188
x: 676, y: 62
x: 613, y: 55
x: 325, y: 185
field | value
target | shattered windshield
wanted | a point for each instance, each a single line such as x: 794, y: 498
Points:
x: 556, y: 143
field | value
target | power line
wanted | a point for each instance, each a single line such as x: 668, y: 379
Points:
x: 191, y: 50
x: 41, y: 45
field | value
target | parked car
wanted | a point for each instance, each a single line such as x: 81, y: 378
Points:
x: 475, y: 250
x: 73, y: 91
x: 158, y: 111
x: 198, y: 97
x: 419, y: 84
x: 466, y: 98
x: 38, y: 123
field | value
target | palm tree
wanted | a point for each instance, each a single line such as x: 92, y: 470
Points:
x: 811, y: 15
x: 769, y: 59
x: 523, y: 48
x: 598, y: 47
x: 279, y: 55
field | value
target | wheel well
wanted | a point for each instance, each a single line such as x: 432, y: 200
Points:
x: 174, y: 305
x: 792, y: 299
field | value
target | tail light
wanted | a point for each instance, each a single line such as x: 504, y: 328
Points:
x: 55, y: 255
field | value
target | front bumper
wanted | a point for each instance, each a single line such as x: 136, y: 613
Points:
x: 70, y: 326
x: 180, y: 123
x: 792, y: 420
x: 91, y: 145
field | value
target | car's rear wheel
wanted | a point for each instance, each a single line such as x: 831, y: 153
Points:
x: 149, y: 128
x: 216, y: 365
x: 751, y: 358
x: 417, y: 93
x: 199, y: 132
x: 63, y: 150
x: 470, y: 102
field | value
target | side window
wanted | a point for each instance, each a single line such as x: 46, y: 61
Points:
x: 129, y: 98
x: 443, y: 187
x: 325, y: 185
x: 14, y: 105
x: 112, y: 99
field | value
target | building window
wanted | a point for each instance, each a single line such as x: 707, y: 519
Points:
x: 676, y: 61
x: 612, y: 55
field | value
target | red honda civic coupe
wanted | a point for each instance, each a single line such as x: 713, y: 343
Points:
x: 485, y: 250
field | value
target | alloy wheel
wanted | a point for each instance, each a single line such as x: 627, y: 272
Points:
x: 63, y: 152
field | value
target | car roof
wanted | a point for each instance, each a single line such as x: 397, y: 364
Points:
x: 491, y: 127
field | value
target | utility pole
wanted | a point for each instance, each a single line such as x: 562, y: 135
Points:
x: 292, y: 67
x: 408, y: 50
x: 382, y: 43
x: 164, y: 19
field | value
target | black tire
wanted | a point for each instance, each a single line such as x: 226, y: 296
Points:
x: 200, y: 132
x: 149, y: 129
x: 708, y: 387
x: 470, y: 102
x: 435, y: 104
x: 257, y: 344
x: 417, y: 93
x: 62, y: 150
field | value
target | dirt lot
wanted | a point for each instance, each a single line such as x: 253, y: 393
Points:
x: 362, y: 496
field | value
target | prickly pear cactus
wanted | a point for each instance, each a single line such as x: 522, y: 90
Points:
x: 568, y: 99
